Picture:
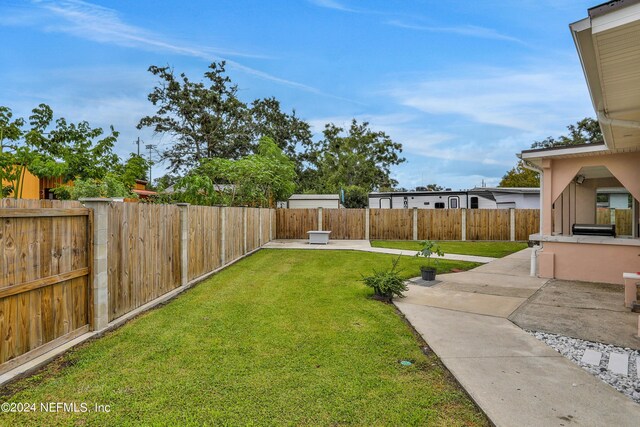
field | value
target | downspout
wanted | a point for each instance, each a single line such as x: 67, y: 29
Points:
x: 536, y: 248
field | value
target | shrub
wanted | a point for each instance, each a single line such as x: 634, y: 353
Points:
x: 387, y: 284
x: 355, y: 197
x: 429, y: 247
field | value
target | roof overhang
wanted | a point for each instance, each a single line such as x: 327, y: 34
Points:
x: 608, y: 44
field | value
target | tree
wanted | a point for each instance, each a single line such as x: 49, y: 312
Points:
x: 362, y: 158
x: 11, y: 168
x: 72, y: 151
x: 136, y: 167
x: 254, y: 180
x: 585, y: 131
x: 287, y: 130
x: 355, y: 197
x: 519, y: 176
x: 430, y: 187
x: 205, y: 121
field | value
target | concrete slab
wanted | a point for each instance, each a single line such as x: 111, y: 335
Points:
x: 364, y: 245
x: 591, y: 357
x: 490, y: 305
x: 541, y: 391
x: 479, y: 277
x: 589, y: 311
x: 618, y: 363
x: 455, y: 334
x: 487, y: 289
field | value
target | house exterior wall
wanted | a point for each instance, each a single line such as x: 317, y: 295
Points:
x: 588, y: 262
x: 619, y: 201
x: 314, y: 203
x: 30, y: 186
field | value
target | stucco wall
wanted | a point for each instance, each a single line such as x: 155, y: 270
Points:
x: 588, y: 262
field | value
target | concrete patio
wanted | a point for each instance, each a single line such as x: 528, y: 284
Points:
x: 515, y: 378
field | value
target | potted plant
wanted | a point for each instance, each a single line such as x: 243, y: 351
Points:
x: 429, y: 247
x: 386, y: 284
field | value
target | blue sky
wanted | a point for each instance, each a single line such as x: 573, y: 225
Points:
x: 463, y: 85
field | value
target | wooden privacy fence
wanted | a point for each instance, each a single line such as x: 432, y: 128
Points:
x: 45, y: 251
x: 410, y: 224
x: 67, y: 267
x: 622, y: 218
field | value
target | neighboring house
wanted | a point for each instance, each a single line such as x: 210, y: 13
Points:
x: 571, y: 176
x: 310, y: 201
x: 38, y: 188
x: 42, y: 188
x: 140, y: 188
x: 477, y: 198
x: 614, y: 198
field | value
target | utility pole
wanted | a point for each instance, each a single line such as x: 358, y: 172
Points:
x: 150, y: 147
x: 138, y: 142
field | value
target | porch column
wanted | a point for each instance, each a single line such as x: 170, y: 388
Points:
x: 546, y: 198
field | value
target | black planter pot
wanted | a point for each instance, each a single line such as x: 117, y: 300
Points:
x: 428, y: 274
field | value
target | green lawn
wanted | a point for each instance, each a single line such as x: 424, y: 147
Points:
x: 485, y: 248
x: 282, y: 337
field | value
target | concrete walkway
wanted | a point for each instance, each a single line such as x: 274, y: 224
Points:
x: 516, y: 379
x: 365, y: 246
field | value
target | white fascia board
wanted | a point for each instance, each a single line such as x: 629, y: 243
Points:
x: 564, y: 152
x: 616, y: 18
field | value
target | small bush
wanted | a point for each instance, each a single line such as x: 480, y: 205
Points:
x: 387, y: 284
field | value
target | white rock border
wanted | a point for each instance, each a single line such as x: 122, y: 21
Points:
x: 574, y: 348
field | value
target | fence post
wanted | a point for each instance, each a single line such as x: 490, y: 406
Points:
x: 260, y: 227
x: 415, y: 223
x: 100, y: 264
x: 272, y: 212
x: 223, y: 237
x: 463, y: 233
x: 366, y: 224
x: 244, y: 229
x: 184, y: 243
x: 320, y: 219
x: 512, y: 224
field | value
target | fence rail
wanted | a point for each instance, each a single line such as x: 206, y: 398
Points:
x: 410, y: 224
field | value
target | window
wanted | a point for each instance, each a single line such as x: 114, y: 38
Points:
x: 439, y: 205
x: 474, y: 203
x: 454, y: 202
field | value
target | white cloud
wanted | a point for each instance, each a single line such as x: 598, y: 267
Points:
x: 104, y: 25
x: 462, y: 30
x: 332, y: 4
x: 526, y: 100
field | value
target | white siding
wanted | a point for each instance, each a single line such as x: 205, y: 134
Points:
x: 313, y: 203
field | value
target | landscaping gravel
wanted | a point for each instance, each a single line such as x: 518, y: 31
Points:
x: 573, y: 349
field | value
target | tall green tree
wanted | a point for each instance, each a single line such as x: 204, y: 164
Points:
x: 519, y: 176
x: 70, y: 150
x: 356, y: 156
x: 585, y: 131
x: 209, y: 120
x: 204, y: 121
x: 288, y: 131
